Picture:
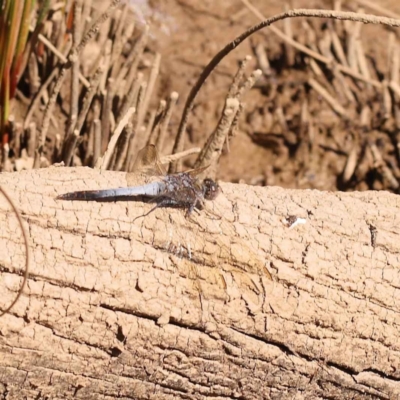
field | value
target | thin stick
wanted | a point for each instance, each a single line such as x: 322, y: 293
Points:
x: 120, y: 38
x: 212, y: 150
x: 61, y: 56
x: 96, y: 141
x: 31, y: 131
x: 262, y: 59
x: 248, y: 83
x: 362, y: 60
x: 6, y: 166
x: 111, y: 146
x: 234, y: 87
x: 33, y: 73
x: 178, y: 156
x: 134, y: 58
x: 27, y: 253
x: 69, y: 147
x: 380, y: 164
x: 87, y: 6
x: 376, y: 7
x: 150, y: 87
x: 140, y: 101
x: 76, y: 38
x: 337, y: 46
x: 106, y: 113
x: 87, y: 100
x: 49, y: 109
x: 123, y: 147
x: 173, y: 98
x: 153, y: 124
x: 35, y: 103
x: 329, y: 99
x: 94, y: 83
x: 131, y: 98
x: 287, y: 29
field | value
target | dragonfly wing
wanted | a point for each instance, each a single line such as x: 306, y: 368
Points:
x: 148, y: 161
x: 197, y: 171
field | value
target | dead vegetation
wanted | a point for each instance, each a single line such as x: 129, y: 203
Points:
x: 331, y: 111
x: 91, y: 96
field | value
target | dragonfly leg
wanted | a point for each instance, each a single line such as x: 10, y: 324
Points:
x: 161, y: 202
x: 145, y: 215
x: 190, y: 210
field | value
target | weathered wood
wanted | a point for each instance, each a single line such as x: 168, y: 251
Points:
x: 113, y: 309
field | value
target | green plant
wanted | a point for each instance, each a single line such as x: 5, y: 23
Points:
x: 15, y: 17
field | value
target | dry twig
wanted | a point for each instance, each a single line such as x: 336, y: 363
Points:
x: 27, y: 252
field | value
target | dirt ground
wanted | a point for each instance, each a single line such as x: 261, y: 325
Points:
x: 188, y: 33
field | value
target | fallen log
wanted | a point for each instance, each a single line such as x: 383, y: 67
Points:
x: 168, y: 307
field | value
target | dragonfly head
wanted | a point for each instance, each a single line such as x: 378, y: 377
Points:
x: 211, y: 189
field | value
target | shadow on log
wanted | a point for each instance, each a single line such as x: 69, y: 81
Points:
x: 169, y: 308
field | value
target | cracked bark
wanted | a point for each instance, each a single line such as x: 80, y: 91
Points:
x: 168, y: 308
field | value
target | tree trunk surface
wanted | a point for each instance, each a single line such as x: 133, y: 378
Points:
x: 166, y: 307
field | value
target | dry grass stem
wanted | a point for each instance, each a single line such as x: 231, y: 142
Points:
x: 174, y: 157
x: 132, y: 96
x: 36, y: 101
x: 31, y: 138
x: 328, y: 98
x: 212, y: 150
x: 106, y: 63
x: 288, y: 31
x: 123, y: 145
x: 74, y: 83
x: 262, y: 59
x: 87, y: 100
x: 380, y: 164
x: 105, y: 161
x: 69, y: 147
x: 234, y: 87
x: 379, y: 9
x: 96, y: 26
x: 350, y: 165
x: 337, y: 46
x: 140, y: 103
x: 27, y: 252
x: 33, y: 74
x: 155, y: 69
x: 49, y: 109
x: 134, y: 58
x: 248, y: 83
x: 96, y: 141
x: 106, y: 113
x: 166, y: 117
x: 60, y: 56
x: 153, y: 124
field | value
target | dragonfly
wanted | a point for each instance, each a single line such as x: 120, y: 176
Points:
x: 182, y: 190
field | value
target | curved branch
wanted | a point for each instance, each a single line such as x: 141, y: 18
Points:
x: 27, y: 253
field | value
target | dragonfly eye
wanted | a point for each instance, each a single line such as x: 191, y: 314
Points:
x: 211, y: 189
